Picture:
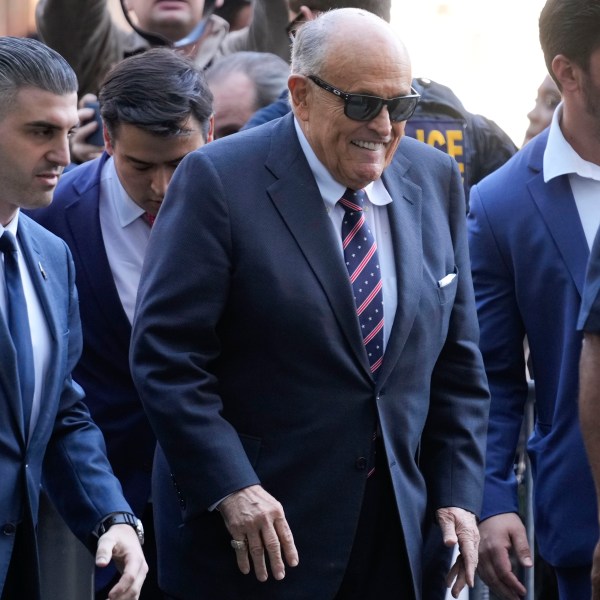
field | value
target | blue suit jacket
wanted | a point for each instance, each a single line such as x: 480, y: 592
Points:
x: 65, y: 448
x: 103, y: 370
x: 529, y: 256
x: 248, y: 357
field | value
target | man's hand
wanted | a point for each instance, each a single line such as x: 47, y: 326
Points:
x: 81, y: 151
x: 459, y: 526
x: 254, y: 515
x: 120, y: 543
x: 501, y: 536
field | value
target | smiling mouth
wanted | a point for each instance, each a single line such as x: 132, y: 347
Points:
x: 368, y: 145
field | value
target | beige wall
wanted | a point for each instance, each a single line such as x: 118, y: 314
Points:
x: 16, y: 17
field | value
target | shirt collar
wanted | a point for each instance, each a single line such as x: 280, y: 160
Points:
x: 125, y: 208
x: 331, y: 190
x: 12, y: 226
x: 560, y: 157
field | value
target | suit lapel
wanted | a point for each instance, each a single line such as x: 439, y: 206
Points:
x: 296, y: 196
x: 557, y: 208
x: 405, y: 223
x: 40, y: 270
x: 83, y: 220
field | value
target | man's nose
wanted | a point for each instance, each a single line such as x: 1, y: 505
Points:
x: 382, y: 123
x: 59, y: 152
x: 160, y: 182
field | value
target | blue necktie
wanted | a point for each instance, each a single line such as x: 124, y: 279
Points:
x: 362, y: 262
x: 18, y: 322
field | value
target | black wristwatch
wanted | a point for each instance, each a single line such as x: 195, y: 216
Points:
x: 121, y: 518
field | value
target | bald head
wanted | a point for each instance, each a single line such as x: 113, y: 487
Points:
x: 346, y: 38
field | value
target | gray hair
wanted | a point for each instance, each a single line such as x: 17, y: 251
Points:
x: 25, y: 62
x: 310, y: 46
x: 268, y: 72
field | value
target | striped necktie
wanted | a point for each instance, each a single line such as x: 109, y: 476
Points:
x: 362, y: 262
x: 18, y: 323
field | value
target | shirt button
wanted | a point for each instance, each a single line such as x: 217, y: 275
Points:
x: 9, y: 529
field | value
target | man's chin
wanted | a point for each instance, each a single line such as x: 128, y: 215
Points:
x: 40, y: 200
x: 172, y: 25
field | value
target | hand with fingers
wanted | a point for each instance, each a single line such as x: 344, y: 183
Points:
x: 259, y: 529
x: 501, y: 536
x: 121, y: 545
x: 81, y: 149
x: 459, y: 526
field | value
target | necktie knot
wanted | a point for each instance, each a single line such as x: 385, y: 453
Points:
x: 8, y: 244
x: 353, y: 200
x: 149, y: 218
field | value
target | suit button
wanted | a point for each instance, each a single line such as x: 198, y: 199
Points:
x: 9, y: 529
x: 361, y: 463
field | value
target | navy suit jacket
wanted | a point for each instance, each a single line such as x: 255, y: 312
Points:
x: 247, y: 353
x: 103, y: 370
x: 529, y: 255
x: 65, y: 448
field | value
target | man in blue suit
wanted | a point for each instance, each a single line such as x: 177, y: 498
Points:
x: 46, y: 432
x: 531, y: 225
x: 307, y: 355
x: 156, y: 107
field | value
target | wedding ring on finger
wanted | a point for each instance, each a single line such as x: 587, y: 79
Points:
x: 239, y: 545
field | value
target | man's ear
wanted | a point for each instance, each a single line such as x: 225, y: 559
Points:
x: 566, y: 72
x: 108, y: 145
x: 210, y: 136
x: 299, y: 95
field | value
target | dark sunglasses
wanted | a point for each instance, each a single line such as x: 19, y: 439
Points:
x: 361, y: 107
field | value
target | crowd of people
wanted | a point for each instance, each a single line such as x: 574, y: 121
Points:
x: 263, y: 339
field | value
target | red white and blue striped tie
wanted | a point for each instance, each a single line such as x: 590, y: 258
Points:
x: 362, y: 262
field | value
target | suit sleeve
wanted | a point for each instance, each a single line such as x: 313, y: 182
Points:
x: 77, y: 474
x: 453, y: 444
x: 502, y: 338
x: 175, y: 340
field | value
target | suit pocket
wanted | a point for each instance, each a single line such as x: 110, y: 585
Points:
x: 446, y: 287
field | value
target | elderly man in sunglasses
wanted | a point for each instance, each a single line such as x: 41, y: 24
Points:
x: 306, y: 345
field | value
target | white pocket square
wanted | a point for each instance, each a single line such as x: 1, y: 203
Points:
x: 447, y: 280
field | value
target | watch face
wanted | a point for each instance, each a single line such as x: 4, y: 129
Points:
x: 139, y: 528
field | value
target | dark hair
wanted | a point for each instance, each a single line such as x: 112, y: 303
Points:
x: 381, y: 8
x: 25, y: 62
x: 571, y: 28
x: 157, y: 91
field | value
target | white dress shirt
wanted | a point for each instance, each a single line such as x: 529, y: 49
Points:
x: 125, y: 234
x: 40, y: 333
x: 561, y: 159
x: 375, y: 215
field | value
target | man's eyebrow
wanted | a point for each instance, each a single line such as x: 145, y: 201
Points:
x: 47, y: 125
x: 137, y: 160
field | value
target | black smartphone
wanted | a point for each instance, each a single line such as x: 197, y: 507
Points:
x: 97, y: 137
